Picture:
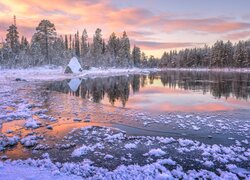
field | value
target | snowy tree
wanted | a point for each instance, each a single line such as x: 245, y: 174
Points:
x: 218, y: 57
x: 84, y: 43
x: 36, y: 52
x: 66, y: 42
x: 228, y: 53
x: 136, y: 56
x: 70, y: 42
x: 240, y: 54
x: 124, y: 51
x: 113, y: 46
x: 58, y: 51
x: 45, y: 35
x: 247, y: 59
x: 96, y: 49
x: 12, y: 38
x: 24, y: 44
x: 77, y: 44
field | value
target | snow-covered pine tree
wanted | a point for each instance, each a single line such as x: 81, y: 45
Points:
x: 66, y: 42
x: 12, y: 38
x: 228, y: 53
x: 36, y: 53
x: 217, y: 58
x: 144, y: 60
x: 70, y: 42
x: 113, y: 47
x: 124, y: 51
x: 58, y: 51
x: 24, y: 46
x: 240, y: 54
x: 77, y: 44
x: 45, y: 35
x: 164, y: 59
x: 84, y: 43
x: 136, y: 56
x: 96, y: 49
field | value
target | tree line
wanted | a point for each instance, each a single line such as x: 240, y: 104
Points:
x: 47, y: 48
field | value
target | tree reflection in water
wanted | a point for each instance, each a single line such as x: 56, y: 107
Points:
x: 119, y: 88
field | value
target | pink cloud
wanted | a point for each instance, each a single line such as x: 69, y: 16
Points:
x: 238, y: 35
x: 150, y: 45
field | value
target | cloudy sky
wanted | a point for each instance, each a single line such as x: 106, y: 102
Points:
x: 154, y: 25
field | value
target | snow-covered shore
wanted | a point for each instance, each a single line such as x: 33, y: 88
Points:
x: 214, y: 161
x: 46, y: 73
x: 57, y: 73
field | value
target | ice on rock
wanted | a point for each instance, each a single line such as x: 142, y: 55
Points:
x: 196, y: 128
x: 185, y: 142
x: 81, y: 151
x: 130, y: 146
x: 32, y: 123
x: 167, y: 161
x: 108, y: 156
x: 8, y: 141
x: 29, y: 141
x: 156, y: 152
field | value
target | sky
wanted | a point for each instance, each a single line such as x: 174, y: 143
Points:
x: 154, y: 25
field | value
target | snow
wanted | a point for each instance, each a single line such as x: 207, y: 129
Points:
x: 46, y: 73
x: 156, y: 152
x: 10, y: 171
x: 130, y: 146
x: 82, y: 151
x: 74, y: 65
x: 29, y: 141
x: 32, y: 123
x: 8, y: 141
x: 45, y: 169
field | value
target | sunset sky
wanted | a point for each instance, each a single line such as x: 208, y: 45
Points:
x: 154, y: 25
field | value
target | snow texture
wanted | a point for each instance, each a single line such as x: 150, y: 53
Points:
x: 74, y: 65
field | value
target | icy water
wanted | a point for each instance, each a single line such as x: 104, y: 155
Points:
x: 164, y: 92
x: 193, y: 118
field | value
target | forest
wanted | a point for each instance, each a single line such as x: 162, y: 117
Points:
x: 48, y: 48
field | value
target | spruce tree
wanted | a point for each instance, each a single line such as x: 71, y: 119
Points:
x: 66, y: 42
x: 124, y: 51
x: 12, y: 38
x: 97, y: 44
x: 77, y: 44
x: 136, y: 56
x: 45, y: 35
x: 84, y: 43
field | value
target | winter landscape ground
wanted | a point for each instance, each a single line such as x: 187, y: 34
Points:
x: 124, y: 90
x: 53, y: 129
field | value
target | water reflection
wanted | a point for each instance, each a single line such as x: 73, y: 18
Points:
x: 166, y: 90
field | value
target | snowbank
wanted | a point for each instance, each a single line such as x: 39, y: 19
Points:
x: 46, y: 73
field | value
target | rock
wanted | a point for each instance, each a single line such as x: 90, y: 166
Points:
x: 49, y: 127
x: 77, y: 119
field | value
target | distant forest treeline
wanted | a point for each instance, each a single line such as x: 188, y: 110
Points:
x: 48, y: 48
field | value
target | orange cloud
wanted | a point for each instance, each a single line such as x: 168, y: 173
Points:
x: 142, y: 25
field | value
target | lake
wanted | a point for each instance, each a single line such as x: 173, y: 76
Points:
x: 170, y: 91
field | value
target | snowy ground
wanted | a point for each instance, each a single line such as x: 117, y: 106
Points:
x: 37, y: 124
x: 56, y: 73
